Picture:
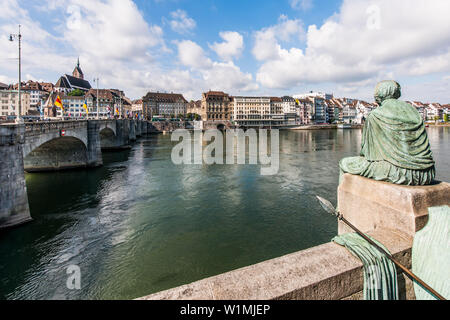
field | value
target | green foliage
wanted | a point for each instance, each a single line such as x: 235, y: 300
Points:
x: 446, y: 117
x: 192, y: 116
x: 76, y: 93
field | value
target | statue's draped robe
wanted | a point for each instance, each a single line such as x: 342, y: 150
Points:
x: 395, y: 147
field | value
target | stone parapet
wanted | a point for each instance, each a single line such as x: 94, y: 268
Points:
x: 325, y: 272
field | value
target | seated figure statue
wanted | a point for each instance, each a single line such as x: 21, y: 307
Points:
x: 395, y: 146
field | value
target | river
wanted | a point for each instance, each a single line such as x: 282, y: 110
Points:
x: 141, y: 224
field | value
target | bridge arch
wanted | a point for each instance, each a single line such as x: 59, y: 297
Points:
x: 32, y: 142
x: 108, y: 124
x: 108, y: 138
x: 64, y: 152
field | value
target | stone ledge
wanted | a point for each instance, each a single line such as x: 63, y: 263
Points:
x: 325, y: 272
x: 371, y: 204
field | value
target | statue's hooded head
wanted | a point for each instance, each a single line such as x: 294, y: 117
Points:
x: 387, y: 89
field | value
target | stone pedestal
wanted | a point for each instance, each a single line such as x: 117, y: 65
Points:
x: 372, y: 205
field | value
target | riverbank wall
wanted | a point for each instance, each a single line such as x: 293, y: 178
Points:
x: 170, y: 126
x: 389, y: 213
x: 325, y: 127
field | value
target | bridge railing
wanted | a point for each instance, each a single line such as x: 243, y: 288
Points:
x: 36, y: 128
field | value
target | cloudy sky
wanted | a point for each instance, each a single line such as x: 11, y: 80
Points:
x: 246, y: 47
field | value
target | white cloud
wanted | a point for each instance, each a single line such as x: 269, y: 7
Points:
x: 228, y: 77
x: 267, y: 40
x: 192, y: 55
x: 231, y: 47
x: 301, y: 4
x: 11, y: 10
x: 213, y: 75
x: 112, y: 29
x: 181, y: 22
x: 358, y: 44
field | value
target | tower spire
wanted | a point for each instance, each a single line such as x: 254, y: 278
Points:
x: 77, y: 73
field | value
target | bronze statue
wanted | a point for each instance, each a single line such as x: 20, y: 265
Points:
x: 395, y: 146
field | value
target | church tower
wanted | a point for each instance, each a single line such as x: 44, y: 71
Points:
x: 77, y: 73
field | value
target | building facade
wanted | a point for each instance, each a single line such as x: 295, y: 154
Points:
x: 305, y: 111
x: 258, y: 111
x: 9, y: 103
x: 109, y: 105
x: 320, y: 112
x: 137, y: 110
x: 167, y: 105
x: 37, y: 95
x: 290, y: 110
x: 349, y: 113
x: 217, y: 106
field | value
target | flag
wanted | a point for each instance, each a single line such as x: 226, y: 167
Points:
x: 117, y: 110
x: 59, y: 103
x: 85, y: 107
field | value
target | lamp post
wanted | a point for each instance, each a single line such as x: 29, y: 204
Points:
x: 121, y: 109
x: 97, y: 80
x: 19, y: 38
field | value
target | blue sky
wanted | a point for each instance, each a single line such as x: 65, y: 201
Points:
x: 243, y: 47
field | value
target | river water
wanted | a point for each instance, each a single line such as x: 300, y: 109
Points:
x: 141, y: 224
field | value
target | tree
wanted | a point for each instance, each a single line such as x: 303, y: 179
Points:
x: 446, y: 117
x: 76, y: 93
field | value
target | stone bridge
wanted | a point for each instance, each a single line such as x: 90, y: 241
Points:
x: 220, y: 125
x: 50, y: 146
x: 170, y: 126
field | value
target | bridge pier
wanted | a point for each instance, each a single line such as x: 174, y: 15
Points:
x: 132, y: 130
x: 14, y: 208
x: 123, y: 133
x: 138, y: 128
x: 94, y: 150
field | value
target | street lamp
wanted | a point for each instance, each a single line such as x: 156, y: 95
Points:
x: 97, y: 80
x: 19, y: 38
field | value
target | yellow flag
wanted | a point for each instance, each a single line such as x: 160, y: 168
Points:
x: 85, y: 107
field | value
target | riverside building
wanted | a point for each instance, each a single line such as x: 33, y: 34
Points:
x: 216, y: 106
x: 258, y: 111
x: 9, y: 102
x: 165, y: 105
